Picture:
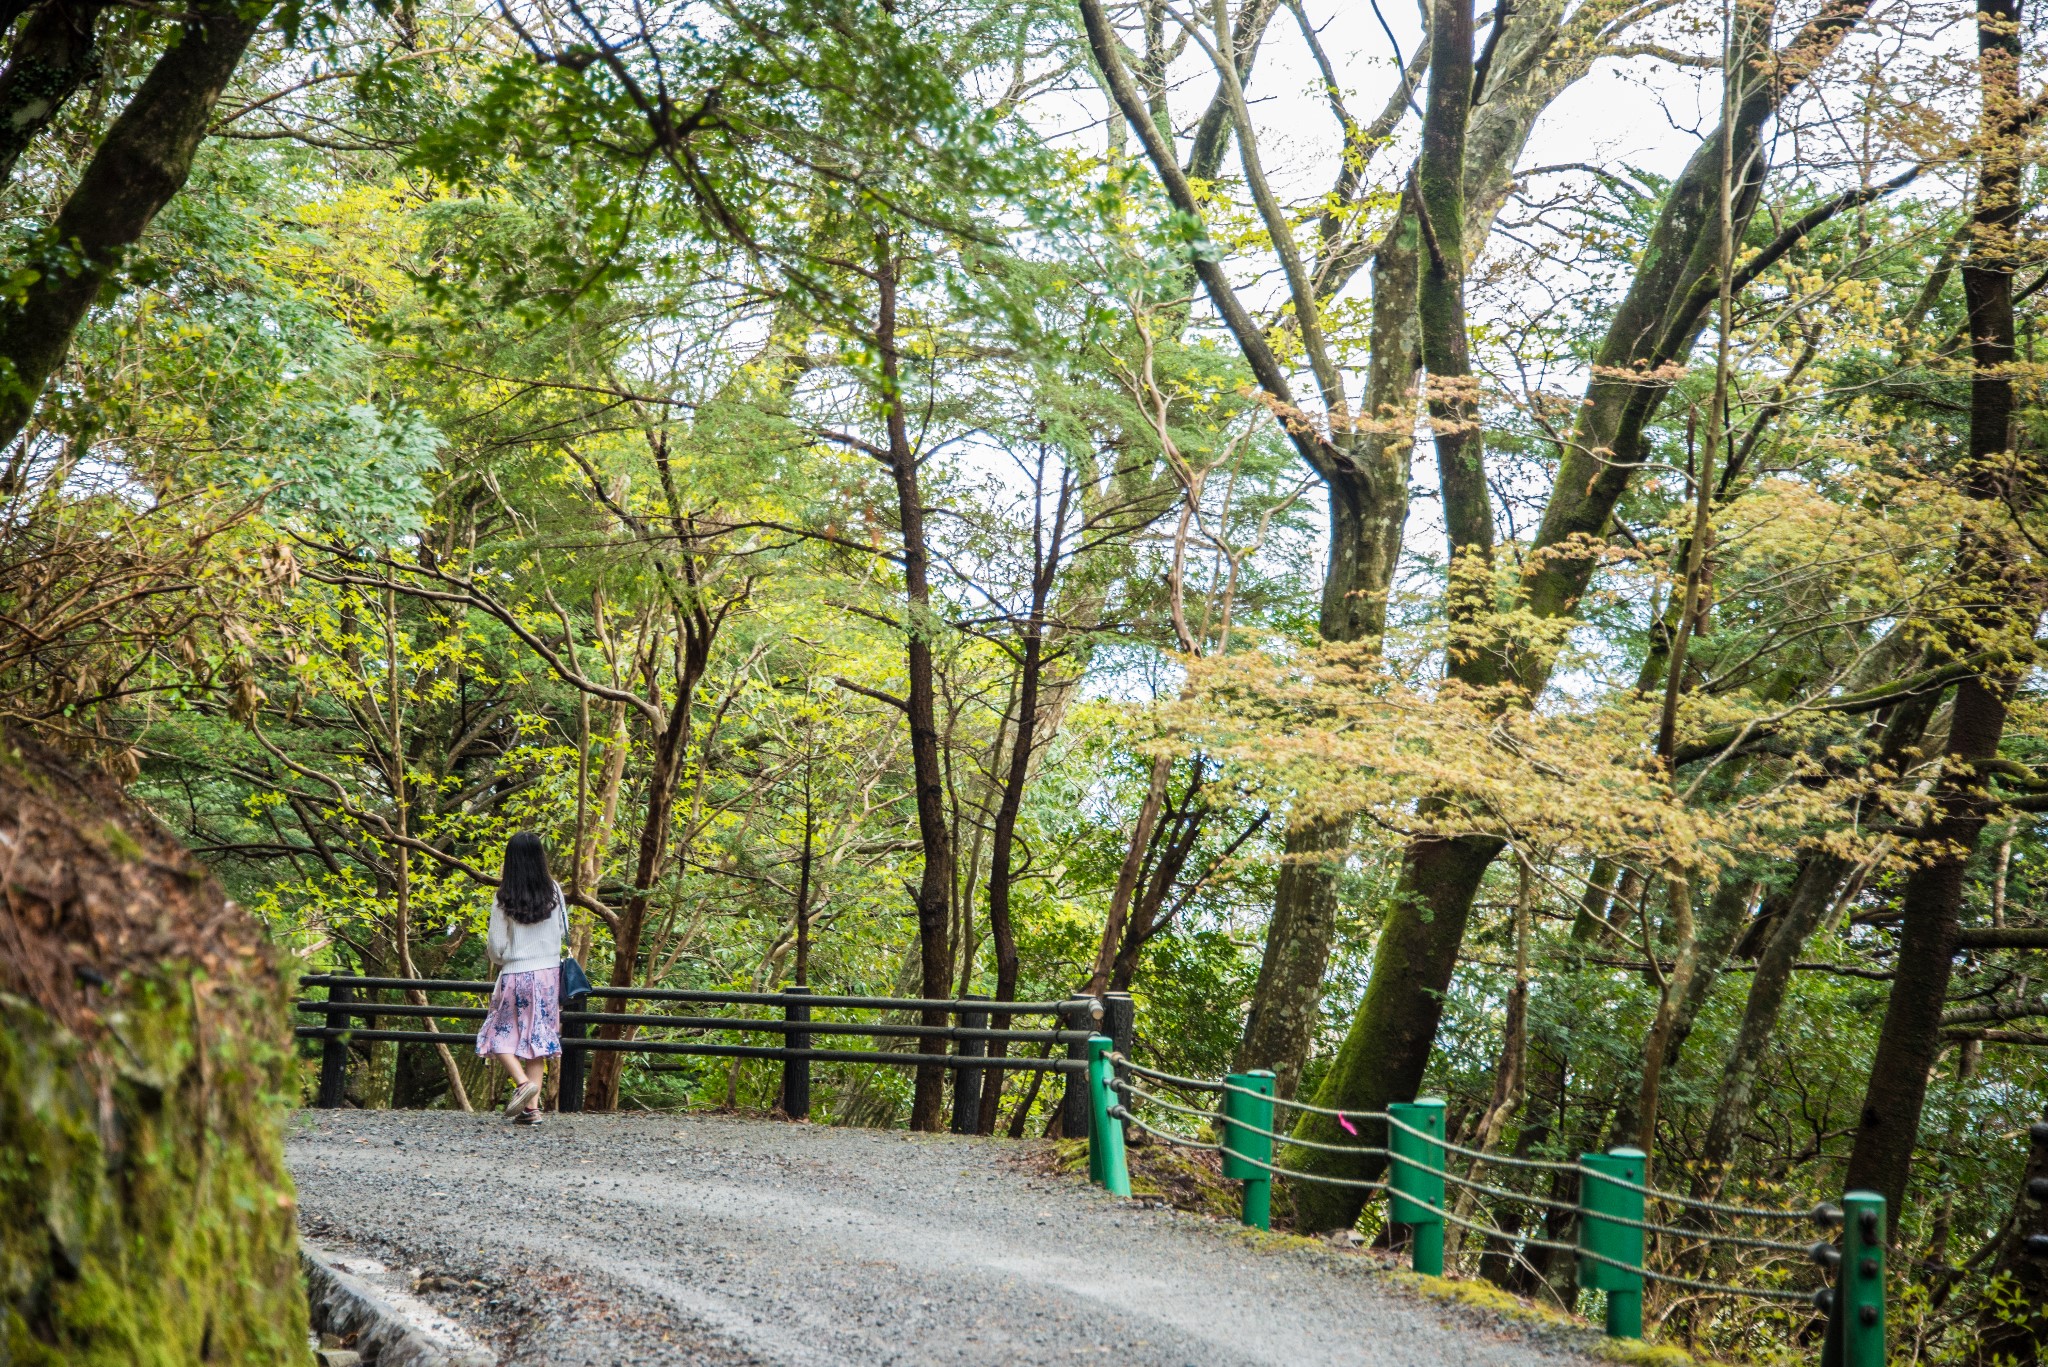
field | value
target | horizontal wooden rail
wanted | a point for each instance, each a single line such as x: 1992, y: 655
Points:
x: 769, y: 1051
x: 736, y: 1024
x: 677, y: 994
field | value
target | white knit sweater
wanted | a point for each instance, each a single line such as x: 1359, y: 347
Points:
x: 518, y: 948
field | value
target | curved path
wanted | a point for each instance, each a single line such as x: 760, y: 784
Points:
x: 714, y: 1240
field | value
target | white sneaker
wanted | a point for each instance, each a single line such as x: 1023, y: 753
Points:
x: 521, y: 1094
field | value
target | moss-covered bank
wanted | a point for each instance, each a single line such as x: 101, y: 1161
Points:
x: 146, y: 1216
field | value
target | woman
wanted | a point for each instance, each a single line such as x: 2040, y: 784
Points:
x: 525, y: 947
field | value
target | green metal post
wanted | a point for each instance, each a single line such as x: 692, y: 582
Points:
x: 1859, y: 1295
x: 1416, y: 1171
x: 1106, y: 1162
x: 1248, y: 1101
x: 1257, y: 1212
x: 1094, y: 1108
x: 1622, y: 1243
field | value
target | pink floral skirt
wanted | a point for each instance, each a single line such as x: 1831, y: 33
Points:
x: 526, y: 1015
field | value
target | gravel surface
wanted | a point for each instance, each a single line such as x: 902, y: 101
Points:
x: 714, y: 1240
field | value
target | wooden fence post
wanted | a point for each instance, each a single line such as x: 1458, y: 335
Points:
x: 575, y: 1058
x: 967, y: 1082
x: 334, y: 1052
x: 796, y: 1069
x: 1120, y: 1024
x: 1120, y: 1021
x: 1076, y: 1114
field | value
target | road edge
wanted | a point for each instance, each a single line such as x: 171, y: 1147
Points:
x: 387, y: 1334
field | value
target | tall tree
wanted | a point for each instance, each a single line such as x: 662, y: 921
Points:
x: 1996, y: 612
x: 1659, y: 318
x: 1048, y: 546
x: 919, y: 701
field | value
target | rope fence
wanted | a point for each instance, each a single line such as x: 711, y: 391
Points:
x: 1542, y: 1165
x: 1609, y: 1212
x: 1193, y: 1084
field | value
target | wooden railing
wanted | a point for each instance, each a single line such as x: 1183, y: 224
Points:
x: 968, y: 1034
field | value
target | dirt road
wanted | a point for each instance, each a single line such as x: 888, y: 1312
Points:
x: 712, y: 1240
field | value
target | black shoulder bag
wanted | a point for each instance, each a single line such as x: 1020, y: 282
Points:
x: 575, y: 982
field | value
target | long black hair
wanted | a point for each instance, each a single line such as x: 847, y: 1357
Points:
x: 528, y: 891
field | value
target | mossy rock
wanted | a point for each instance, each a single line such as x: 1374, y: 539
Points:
x: 146, y: 1216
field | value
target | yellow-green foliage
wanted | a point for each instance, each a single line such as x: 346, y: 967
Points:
x: 1484, y: 1295
x: 1640, y: 1354
x: 146, y: 1216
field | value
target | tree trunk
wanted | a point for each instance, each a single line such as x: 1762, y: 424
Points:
x: 935, y: 887
x: 140, y: 163
x: 2008, y: 1338
x: 609, y: 787
x: 1801, y: 910
x: 1387, y: 1049
x: 1021, y: 1117
x: 1367, y: 512
x: 1701, y: 953
x: 1172, y: 843
x: 1389, y: 1042
x: 1677, y: 985
x: 406, y: 969
x: 1521, y: 1269
x: 1001, y: 852
x: 1369, y: 501
x: 1364, y: 463
x: 1720, y: 925
x: 1510, y: 1083
x: 1910, y: 1040
x: 1127, y: 876
x: 1658, y: 320
x: 1438, y: 194
x: 2000, y: 609
x: 1287, y: 999
x: 1548, y: 1072
x: 401, y: 868
x: 54, y: 55
x: 601, y: 1090
x: 1813, y: 891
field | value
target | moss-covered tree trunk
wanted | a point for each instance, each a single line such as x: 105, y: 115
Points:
x: 146, y: 1215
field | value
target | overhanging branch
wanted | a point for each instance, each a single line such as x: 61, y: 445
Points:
x: 1717, y: 742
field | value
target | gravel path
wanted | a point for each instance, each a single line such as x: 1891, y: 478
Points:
x: 712, y: 1240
